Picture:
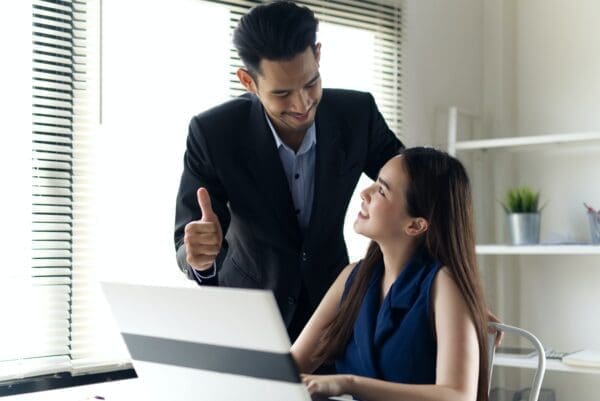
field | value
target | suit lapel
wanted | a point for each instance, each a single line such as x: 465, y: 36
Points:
x: 329, y: 161
x: 266, y: 167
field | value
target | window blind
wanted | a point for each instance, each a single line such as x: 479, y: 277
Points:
x: 383, y: 19
x: 57, y: 299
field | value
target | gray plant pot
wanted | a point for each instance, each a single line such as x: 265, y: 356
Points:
x: 523, y: 228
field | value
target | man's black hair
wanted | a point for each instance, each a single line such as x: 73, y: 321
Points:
x: 278, y: 30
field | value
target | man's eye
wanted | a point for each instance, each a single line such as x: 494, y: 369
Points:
x: 282, y: 94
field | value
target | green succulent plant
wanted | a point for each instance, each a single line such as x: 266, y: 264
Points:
x: 521, y: 200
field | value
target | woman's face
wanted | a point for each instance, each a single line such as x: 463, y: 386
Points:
x: 383, y: 212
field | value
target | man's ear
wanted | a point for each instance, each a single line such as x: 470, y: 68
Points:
x: 246, y: 80
x: 417, y: 226
x: 318, y: 52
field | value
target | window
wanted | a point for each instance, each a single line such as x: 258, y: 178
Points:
x: 157, y: 77
x: 50, y: 296
x: 95, y: 162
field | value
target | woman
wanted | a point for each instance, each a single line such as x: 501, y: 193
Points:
x: 409, y: 321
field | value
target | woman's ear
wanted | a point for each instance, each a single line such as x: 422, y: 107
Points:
x: 417, y: 226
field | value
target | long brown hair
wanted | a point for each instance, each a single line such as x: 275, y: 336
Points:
x: 439, y: 191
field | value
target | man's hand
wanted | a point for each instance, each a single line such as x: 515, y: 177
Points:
x: 203, y: 238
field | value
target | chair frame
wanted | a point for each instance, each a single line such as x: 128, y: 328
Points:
x: 539, y: 348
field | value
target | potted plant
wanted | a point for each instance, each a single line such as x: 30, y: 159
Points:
x: 523, y: 215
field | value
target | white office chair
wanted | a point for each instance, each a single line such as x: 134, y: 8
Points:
x: 541, y: 366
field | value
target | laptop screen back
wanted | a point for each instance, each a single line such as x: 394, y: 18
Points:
x: 206, y: 343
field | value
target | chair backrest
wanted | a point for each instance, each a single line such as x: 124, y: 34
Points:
x: 537, y: 345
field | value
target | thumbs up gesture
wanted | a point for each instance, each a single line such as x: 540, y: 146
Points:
x: 203, y: 238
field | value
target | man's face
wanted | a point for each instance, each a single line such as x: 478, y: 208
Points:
x: 290, y: 90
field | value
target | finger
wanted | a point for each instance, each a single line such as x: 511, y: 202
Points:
x: 200, y: 258
x: 499, y: 338
x: 493, y: 318
x: 201, y: 249
x: 199, y: 227
x: 200, y: 262
x: 205, y: 205
x: 311, y: 386
x: 201, y: 238
x: 315, y: 387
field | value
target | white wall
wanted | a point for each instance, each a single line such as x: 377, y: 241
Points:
x: 541, y: 75
x: 443, y: 65
x: 558, y: 90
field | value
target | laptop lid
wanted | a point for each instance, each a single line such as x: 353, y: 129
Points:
x: 206, y: 342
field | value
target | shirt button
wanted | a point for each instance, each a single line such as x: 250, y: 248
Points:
x: 296, y: 176
x: 304, y: 256
x: 291, y: 300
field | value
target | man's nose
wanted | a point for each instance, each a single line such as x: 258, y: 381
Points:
x: 301, y: 102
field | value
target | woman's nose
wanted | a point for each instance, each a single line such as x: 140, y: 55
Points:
x: 364, y: 194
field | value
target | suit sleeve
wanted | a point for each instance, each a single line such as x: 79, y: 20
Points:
x: 198, y: 171
x: 383, y: 143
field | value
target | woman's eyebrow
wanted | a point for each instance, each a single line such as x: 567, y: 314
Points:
x: 384, y: 183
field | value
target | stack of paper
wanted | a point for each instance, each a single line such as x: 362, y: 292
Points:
x: 587, y: 357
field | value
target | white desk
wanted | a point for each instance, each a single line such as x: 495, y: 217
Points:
x: 118, y: 390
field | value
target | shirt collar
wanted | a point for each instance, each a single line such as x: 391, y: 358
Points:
x: 309, y: 139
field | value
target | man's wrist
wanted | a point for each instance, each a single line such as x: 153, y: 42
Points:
x: 205, y: 274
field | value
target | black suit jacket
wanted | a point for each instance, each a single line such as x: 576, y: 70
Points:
x: 231, y: 151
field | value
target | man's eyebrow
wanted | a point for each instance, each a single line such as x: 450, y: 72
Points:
x: 384, y: 183
x: 311, y: 81
x: 279, y: 91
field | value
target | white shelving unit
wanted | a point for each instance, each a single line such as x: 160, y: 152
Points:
x: 512, y: 144
x: 570, y: 249
x: 484, y: 144
x: 455, y: 145
x: 531, y: 363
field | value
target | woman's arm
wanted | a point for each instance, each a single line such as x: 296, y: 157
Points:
x: 305, y: 345
x: 457, y: 358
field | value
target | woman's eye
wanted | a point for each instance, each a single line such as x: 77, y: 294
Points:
x: 380, y: 190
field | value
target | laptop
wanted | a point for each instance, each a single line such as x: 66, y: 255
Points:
x: 206, y: 343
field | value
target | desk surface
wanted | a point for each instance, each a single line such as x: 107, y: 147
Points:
x: 119, y: 390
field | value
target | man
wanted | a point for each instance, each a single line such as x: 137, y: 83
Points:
x: 273, y: 170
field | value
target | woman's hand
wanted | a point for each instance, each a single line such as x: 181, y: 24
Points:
x: 329, y: 385
x: 499, y: 334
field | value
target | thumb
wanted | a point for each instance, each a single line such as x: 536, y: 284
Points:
x: 206, y: 206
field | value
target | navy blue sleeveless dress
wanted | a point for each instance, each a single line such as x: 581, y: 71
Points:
x: 394, y: 341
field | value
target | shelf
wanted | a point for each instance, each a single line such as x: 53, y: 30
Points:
x: 484, y: 144
x: 579, y: 249
x: 531, y: 363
